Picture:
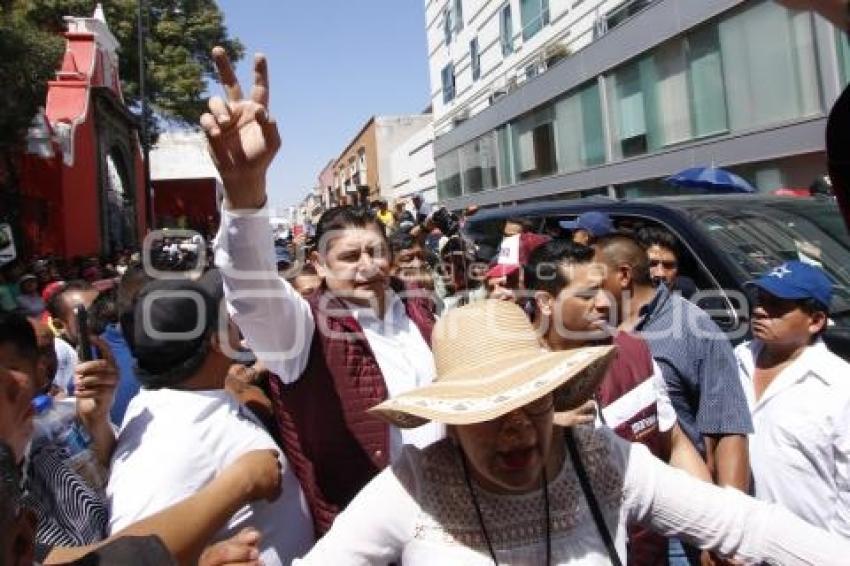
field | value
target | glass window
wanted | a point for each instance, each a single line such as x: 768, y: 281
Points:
x: 670, y: 96
x: 769, y: 65
x: 458, y: 15
x: 448, y: 176
x: 448, y: 76
x: 447, y: 25
x: 506, y: 30
x: 705, y: 80
x: 844, y: 56
x: 533, y: 144
x: 475, y: 59
x: 579, y: 136
x: 478, y: 162
x: 633, y: 108
x: 534, y: 15
x: 506, y: 163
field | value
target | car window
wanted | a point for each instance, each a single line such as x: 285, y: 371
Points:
x: 757, y: 238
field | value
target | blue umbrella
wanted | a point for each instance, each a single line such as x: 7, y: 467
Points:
x: 711, y: 178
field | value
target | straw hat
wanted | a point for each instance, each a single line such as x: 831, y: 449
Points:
x: 489, y: 363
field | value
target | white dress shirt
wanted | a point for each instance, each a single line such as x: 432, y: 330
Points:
x: 800, y: 447
x: 173, y: 443
x: 420, y: 513
x: 278, y: 323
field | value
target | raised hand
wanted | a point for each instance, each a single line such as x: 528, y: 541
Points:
x: 94, y: 386
x: 243, y: 138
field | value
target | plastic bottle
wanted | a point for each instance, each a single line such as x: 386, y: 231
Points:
x: 56, y: 423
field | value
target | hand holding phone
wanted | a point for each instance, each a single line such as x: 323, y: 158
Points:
x: 84, y: 348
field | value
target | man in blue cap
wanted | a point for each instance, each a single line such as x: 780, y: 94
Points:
x: 799, y: 396
x: 589, y: 227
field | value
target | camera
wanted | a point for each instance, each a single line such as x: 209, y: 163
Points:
x: 447, y: 222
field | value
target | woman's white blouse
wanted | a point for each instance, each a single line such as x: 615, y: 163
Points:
x: 420, y: 512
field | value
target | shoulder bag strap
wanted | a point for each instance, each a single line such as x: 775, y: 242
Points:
x: 591, y: 498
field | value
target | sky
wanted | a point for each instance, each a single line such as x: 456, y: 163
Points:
x: 332, y: 64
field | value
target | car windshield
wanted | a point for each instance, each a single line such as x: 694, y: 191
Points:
x: 757, y: 236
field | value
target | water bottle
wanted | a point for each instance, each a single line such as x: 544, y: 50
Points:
x: 56, y: 423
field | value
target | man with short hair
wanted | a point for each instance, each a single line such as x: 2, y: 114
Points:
x: 799, y: 395
x: 664, y: 255
x: 695, y: 357
x: 570, y: 311
x: 183, y: 428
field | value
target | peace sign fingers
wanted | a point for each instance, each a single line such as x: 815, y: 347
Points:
x: 260, y: 92
x: 226, y: 75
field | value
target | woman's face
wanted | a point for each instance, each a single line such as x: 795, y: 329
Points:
x: 355, y: 263
x: 508, y: 454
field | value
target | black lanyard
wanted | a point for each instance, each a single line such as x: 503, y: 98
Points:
x: 481, y: 516
x: 592, y: 502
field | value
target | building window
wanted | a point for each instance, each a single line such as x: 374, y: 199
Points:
x: 448, y: 176
x: 447, y: 25
x: 475, y: 59
x: 579, y: 135
x: 506, y: 30
x: 448, y: 75
x: 458, y: 14
x: 478, y: 162
x: 452, y: 19
x: 673, y: 95
x: 769, y: 66
x: 534, y: 15
x: 534, y: 144
x: 506, y: 162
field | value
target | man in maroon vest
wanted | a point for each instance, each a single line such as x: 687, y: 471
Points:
x: 359, y: 339
x: 571, y: 312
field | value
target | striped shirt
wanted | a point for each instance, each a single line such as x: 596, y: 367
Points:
x: 698, y: 365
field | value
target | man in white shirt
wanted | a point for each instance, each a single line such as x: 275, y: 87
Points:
x: 183, y: 428
x: 799, y: 395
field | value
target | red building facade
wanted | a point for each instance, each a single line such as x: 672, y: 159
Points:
x: 81, y: 179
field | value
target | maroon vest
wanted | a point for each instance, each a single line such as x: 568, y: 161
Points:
x: 334, y: 446
x: 631, y: 368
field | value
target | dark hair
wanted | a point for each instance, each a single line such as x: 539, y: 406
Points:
x: 131, y: 283
x: 176, y: 373
x: 401, y: 241
x: 655, y: 236
x: 103, y: 312
x: 54, y: 304
x: 622, y: 249
x: 549, y: 257
x: 16, y: 330
x: 342, y: 217
x: 10, y: 491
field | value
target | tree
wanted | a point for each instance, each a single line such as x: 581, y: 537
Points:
x: 179, y: 36
x: 28, y: 58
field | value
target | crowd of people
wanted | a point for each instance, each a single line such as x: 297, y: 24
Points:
x: 390, y: 391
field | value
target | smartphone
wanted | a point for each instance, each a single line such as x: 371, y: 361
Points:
x: 84, y: 348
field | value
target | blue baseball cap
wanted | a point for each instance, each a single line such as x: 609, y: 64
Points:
x: 796, y: 280
x: 598, y: 224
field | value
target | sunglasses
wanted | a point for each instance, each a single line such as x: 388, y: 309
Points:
x: 666, y: 264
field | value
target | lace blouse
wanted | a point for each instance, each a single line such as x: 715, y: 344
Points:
x: 420, y: 512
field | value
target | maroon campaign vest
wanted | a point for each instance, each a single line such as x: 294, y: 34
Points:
x: 333, y: 445
x: 631, y: 368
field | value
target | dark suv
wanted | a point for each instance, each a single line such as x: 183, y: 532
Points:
x: 725, y: 240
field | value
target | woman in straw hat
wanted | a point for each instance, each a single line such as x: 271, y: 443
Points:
x: 508, y: 487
